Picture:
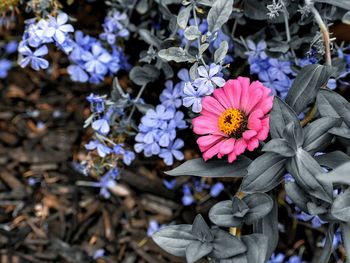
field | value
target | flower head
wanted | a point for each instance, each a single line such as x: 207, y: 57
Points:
x: 234, y: 119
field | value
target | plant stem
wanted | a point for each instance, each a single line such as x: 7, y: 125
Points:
x: 328, y: 59
x: 135, y: 101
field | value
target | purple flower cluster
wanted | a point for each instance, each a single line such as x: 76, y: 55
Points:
x: 102, y: 117
x: 33, y: 47
x: 5, y: 63
x: 208, y: 77
x: 275, y: 74
x: 114, y: 28
x: 158, y: 127
x: 90, y: 60
x: 197, y: 186
x: 280, y: 257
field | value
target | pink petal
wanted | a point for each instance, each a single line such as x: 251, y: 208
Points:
x: 227, y: 146
x: 205, y: 142
x: 248, y: 134
x: 254, y: 122
x: 240, y: 146
x: 231, y: 157
x: 212, y: 105
x: 244, y: 93
x: 253, y: 144
x: 212, y: 151
x: 232, y: 90
x: 206, y: 125
x: 255, y: 95
x: 220, y: 95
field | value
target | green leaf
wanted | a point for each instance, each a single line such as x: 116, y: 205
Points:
x: 281, y: 115
x: 212, y: 168
x: 144, y: 75
x: 196, y: 250
x: 219, y: 14
x: 328, y: 246
x: 226, y: 245
x: 341, y: 206
x: 339, y: 175
x: 333, y: 159
x: 345, y: 4
x: 305, y: 169
x: 268, y: 226
x: 176, y: 54
x: 331, y: 104
x: 264, y: 173
x: 174, y: 239
x: 257, y: 245
x: 316, y: 133
x: 192, y: 33
x: 183, y: 16
x: 306, y: 85
x: 297, y: 195
x: 221, y: 52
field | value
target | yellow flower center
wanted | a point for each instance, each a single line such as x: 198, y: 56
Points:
x: 232, y: 122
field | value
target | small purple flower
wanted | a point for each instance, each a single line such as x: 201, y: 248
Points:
x: 295, y: 259
x: 216, y: 189
x: 77, y: 73
x: 279, y: 69
x: 187, y: 198
x: 128, y: 157
x: 35, y: 58
x: 99, y: 253
x: 173, y: 150
x: 192, y: 97
x: 153, y: 227
x: 257, y: 50
x: 170, y: 184
x: 5, y: 66
x: 209, y: 78
x: 156, y: 118
x: 101, y: 126
x: 11, y: 47
x: 57, y: 28
x: 276, y: 258
x: 96, y: 60
x: 171, y: 95
x: 102, y: 149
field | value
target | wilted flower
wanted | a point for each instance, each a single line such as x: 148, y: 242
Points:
x: 234, y: 119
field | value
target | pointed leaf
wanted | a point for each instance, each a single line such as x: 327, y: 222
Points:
x: 306, y: 85
x: 281, y: 114
x: 264, y: 173
x: 174, y: 239
x: 184, y: 15
x: 201, y: 230
x: 257, y: 245
x: 279, y: 146
x: 259, y: 204
x: 331, y: 104
x: 221, y: 214
x: 219, y: 14
x: 341, y: 206
x: 317, y: 137
x: 221, y: 52
x: 345, y: 234
x: 212, y: 168
x: 340, y: 175
x: 328, y: 246
x: 268, y: 226
x: 196, y: 250
x: 226, y: 245
x: 333, y: 159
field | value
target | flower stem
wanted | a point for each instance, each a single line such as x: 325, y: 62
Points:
x: 328, y: 59
x: 136, y: 101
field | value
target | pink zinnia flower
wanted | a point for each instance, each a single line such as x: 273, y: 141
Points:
x: 234, y: 119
